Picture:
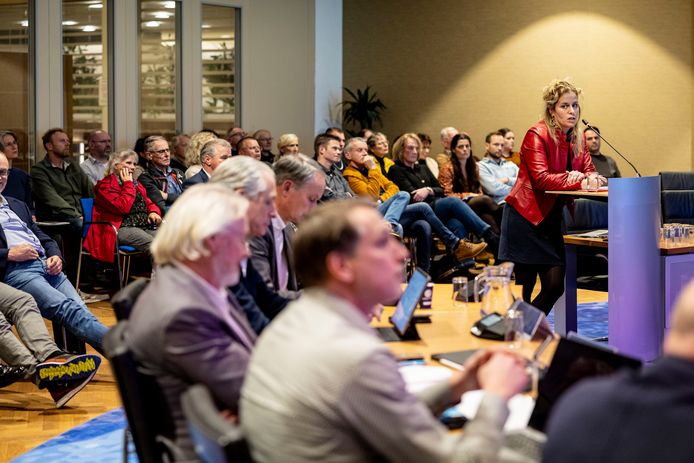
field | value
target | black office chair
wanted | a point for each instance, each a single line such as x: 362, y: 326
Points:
x: 677, y: 197
x: 216, y: 439
x: 124, y: 300
x: 149, y: 418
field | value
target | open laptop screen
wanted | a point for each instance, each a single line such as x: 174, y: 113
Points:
x: 409, y: 300
x: 572, y: 362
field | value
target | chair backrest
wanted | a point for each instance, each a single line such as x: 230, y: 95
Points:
x: 87, y: 206
x: 677, y: 197
x: 149, y: 417
x: 124, y: 300
x: 216, y: 439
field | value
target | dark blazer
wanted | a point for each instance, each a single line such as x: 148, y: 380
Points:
x: 413, y: 178
x: 180, y: 336
x: 254, y: 296
x: 23, y: 212
x: 200, y: 177
x: 641, y: 416
x: 263, y: 258
x: 154, y: 182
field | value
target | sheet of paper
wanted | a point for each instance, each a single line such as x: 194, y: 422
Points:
x: 419, y: 377
x: 520, y: 408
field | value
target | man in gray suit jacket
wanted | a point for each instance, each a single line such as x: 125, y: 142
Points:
x: 300, y: 182
x: 212, y: 154
x: 185, y: 327
x: 322, y: 386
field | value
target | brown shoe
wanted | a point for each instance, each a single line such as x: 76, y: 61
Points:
x: 467, y: 249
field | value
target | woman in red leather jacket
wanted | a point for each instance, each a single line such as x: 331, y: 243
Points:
x: 123, y: 202
x: 552, y: 158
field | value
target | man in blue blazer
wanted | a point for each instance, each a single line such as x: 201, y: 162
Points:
x: 212, y: 154
x: 30, y: 261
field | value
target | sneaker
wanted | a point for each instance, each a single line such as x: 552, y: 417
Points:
x: 64, y: 391
x: 11, y: 374
x: 467, y: 249
x: 64, y: 368
x: 91, y: 298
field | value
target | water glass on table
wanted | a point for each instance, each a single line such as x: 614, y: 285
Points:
x: 459, y: 292
x: 513, y: 329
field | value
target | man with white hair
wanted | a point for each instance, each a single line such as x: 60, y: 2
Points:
x: 447, y: 134
x: 634, y: 416
x: 255, y: 181
x: 185, y: 328
x: 212, y: 154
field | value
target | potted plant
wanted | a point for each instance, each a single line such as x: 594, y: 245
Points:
x: 363, y: 110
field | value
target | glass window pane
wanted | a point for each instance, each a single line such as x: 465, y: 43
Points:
x: 14, y: 82
x: 85, y: 70
x: 158, y: 61
x: 218, y: 67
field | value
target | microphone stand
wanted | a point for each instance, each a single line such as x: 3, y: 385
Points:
x: 585, y: 122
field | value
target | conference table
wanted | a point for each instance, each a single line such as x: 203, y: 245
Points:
x: 449, y: 330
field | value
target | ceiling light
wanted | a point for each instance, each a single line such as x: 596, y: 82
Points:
x: 96, y: 6
x: 162, y: 15
x: 170, y: 5
x: 152, y: 24
x: 206, y: 26
x: 89, y: 28
x: 24, y: 23
x: 70, y: 23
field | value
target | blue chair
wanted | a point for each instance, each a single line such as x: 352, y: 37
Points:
x: 121, y: 253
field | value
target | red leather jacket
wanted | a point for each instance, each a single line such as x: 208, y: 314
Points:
x: 543, y: 167
x: 112, y: 201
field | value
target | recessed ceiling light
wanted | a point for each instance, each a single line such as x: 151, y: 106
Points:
x: 162, y: 15
x: 24, y: 23
x: 153, y: 24
x: 96, y: 5
x: 206, y: 26
x: 70, y: 23
x: 170, y: 5
x: 89, y: 28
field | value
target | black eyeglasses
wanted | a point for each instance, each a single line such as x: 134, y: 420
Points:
x: 161, y: 151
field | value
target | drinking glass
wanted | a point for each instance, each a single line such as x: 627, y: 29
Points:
x: 459, y: 292
x: 593, y: 183
x: 513, y: 324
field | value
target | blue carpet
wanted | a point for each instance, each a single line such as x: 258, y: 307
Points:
x: 101, y: 439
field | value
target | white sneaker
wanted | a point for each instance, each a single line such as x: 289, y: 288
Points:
x: 91, y: 298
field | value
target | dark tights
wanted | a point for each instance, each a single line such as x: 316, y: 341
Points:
x: 551, y: 284
x: 486, y: 209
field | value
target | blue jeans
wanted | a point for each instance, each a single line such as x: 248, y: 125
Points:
x: 57, y: 299
x: 459, y: 218
x: 392, y: 208
x: 422, y: 211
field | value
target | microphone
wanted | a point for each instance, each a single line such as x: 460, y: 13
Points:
x: 585, y: 122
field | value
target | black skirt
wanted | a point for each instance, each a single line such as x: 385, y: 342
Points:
x: 524, y: 243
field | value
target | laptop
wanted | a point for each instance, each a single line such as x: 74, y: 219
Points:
x: 403, y: 328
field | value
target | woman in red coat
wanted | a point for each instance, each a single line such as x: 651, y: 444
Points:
x: 552, y: 158
x: 123, y: 202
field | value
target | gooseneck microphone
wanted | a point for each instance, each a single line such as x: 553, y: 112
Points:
x: 585, y: 122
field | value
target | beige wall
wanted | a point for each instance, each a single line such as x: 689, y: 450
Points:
x: 481, y: 65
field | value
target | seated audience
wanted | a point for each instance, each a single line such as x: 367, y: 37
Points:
x: 447, y: 134
x: 340, y: 135
x: 197, y: 141
x: 417, y: 180
x: 99, y: 146
x: 233, y: 136
x: 366, y: 180
x: 424, y: 155
x: 497, y: 175
x: 460, y: 178
x: 185, y: 328
x: 322, y: 386
x: 287, y: 144
x: 365, y: 133
x: 18, y: 182
x: 329, y: 156
x: 248, y: 146
x: 606, y: 166
x: 163, y: 183
x: 299, y: 183
x: 121, y: 201
x: 264, y: 139
x: 30, y: 261
x: 509, y: 144
x: 634, y: 416
x: 378, y: 149
x: 37, y: 356
x: 178, y: 145
x: 213, y: 153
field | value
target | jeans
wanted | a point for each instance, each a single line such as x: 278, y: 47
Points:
x: 57, y: 300
x: 393, y: 207
x: 422, y: 211
x: 19, y: 309
x: 459, y: 218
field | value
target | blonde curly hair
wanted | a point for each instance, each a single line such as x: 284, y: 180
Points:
x: 550, y: 96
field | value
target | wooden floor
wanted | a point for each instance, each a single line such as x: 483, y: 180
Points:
x: 28, y: 417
